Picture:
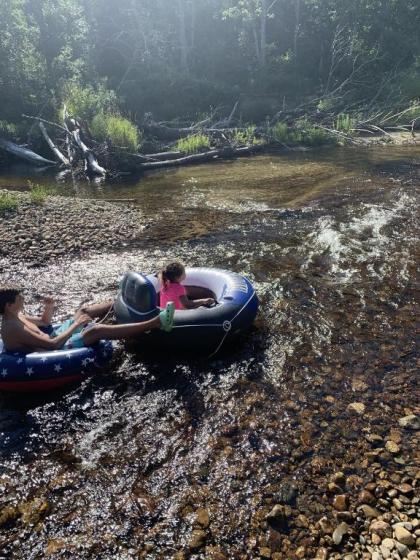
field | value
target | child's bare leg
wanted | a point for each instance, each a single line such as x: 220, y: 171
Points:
x: 117, y: 332
x: 95, y: 310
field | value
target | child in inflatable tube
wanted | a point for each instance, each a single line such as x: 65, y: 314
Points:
x: 22, y: 333
x: 172, y: 290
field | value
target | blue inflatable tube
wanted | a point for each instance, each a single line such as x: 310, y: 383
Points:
x: 203, y: 329
x: 41, y: 371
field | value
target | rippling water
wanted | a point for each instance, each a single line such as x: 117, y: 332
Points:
x: 119, y: 466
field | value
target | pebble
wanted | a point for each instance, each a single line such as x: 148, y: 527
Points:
x: 380, y: 527
x: 388, y: 543
x: 404, y: 536
x: 339, y: 533
x: 369, y: 511
x: 340, y: 502
x: 392, y: 447
x: 357, y: 408
x: 197, y: 539
x: 410, y: 422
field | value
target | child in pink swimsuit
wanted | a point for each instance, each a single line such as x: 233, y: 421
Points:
x: 172, y: 289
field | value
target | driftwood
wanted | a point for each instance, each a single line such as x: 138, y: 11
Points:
x: 53, y: 147
x: 91, y: 164
x: 25, y: 153
x: 211, y: 155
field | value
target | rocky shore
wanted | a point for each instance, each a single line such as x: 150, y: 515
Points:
x: 65, y: 226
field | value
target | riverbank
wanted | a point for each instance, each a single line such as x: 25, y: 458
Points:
x: 58, y: 226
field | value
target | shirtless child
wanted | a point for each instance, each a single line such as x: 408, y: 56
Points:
x: 21, y: 333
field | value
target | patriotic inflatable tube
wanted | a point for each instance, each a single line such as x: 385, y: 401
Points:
x: 49, y: 369
x: 204, y: 329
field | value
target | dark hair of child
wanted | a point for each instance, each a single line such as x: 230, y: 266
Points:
x: 8, y: 295
x: 171, y: 272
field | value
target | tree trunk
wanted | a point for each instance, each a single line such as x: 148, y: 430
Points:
x: 183, y: 36
x: 24, y: 153
x: 91, y: 164
x: 263, y: 32
x: 53, y: 147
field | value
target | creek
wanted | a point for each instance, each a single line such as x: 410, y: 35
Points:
x: 129, y: 463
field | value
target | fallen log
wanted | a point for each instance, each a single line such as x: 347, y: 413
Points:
x: 91, y: 163
x: 53, y: 147
x: 211, y: 155
x: 25, y: 153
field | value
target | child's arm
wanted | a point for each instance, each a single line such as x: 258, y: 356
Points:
x: 23, y: 336
x: 45, y: 319
x: 188, y: 303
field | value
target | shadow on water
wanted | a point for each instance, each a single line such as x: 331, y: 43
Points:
x: 119, y: 465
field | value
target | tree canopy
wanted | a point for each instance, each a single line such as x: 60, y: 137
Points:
x: 180, y: 57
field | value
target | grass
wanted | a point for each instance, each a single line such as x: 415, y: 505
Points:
x: 8, y: 202
x: 246, y: 136
x: 39, y: 193
x: 280, y: 132
x: 193, y: 143
x: 345, y: 123
x: 119, y: 130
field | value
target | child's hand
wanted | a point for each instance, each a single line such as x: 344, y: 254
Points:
x: 48, y: 301
x: 83, y: 320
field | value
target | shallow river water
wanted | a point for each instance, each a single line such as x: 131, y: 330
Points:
x: 179, y: 457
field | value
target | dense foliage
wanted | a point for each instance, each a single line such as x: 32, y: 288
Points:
x: 181, y: 57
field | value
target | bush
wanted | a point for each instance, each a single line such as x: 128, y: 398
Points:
x: 8, y: 130
x: 307, y: 133
x: 345, y: 122
x: 86, y: 102
x: 193, y: 143
x: 280, y: 132
x: 246, y: 136
x: 8, y: 202
x: 38, y: 193
x: 119, y: 130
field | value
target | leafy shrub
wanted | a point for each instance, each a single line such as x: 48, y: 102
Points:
x: 307, y: 133
x: 38, y: 193
x: 119, y: 130
x: 345, y: 122
x: 8, y: 130
x: 280, y: 132
x: 8, y: 202
x: 193, y: 143
x: 246, y: 136
x: 86, y: 102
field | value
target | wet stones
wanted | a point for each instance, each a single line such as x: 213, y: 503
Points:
x: 403, y: 535
x: 197, y: 539
x: 339, y: 532
x: 64, y: 226
x: 410, y: 422
x: 356, y: 408
x: 278, y: 517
